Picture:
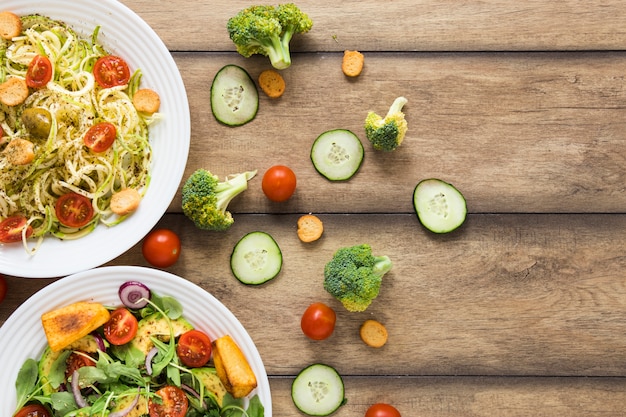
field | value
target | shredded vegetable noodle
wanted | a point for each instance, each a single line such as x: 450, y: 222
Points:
x: 71, y: 102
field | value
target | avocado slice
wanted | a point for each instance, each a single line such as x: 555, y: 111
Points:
x: 156, y: 325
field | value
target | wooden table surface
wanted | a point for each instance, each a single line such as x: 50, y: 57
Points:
x: 521, y: 312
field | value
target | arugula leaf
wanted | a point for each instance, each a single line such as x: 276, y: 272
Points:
x: 26, y: 381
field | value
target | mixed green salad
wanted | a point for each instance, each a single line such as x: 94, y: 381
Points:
x: 146, y: 360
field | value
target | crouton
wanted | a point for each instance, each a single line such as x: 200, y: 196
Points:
x: 352, y: 63
x: 70, y: 323
x: 272, y: 83
x: 10, y: 25
x: 310, y: 228
x: 232, y: 367
x: 373, y: 333
x: 20, y: 152
x: 13, y: 91
x: 125, y: 201
x: 146, y: 101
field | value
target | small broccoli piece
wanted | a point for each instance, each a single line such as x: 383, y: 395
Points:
x: 387, y: 134
x: 354, y: 276
x: 267, y: 30
x: 205, y: 198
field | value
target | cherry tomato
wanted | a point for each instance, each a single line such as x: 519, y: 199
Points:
x: 194, y: 348
x: 174, y: 403
x: 121, y: 327
x: 318, y: 321
x: 279, y: 183
x: 3, y: 288
x: 161, y: 248
x: 111, y: 71
x: 77, y: 360
x: 33, y: 410
x: 382, y: 410
x: 11, y: 229
x: 74, y: 210
x: 100, y: 136
x: 39, y: 72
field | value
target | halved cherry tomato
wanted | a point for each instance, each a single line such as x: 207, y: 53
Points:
x: 161, y: 248
x: 121, y: 327
x: 279, y: 183
x: 11, y: 229
x: 3, y: 288
x: 39, y: 72
x: 100, y: 136
x: 194, y: 348
x: 77, y: 360
x: 174, y: 403
x: 318, y: 321
x: 382, y: 410
x: 74, y: 210
x: 110, y: 71
x: 33, y: 410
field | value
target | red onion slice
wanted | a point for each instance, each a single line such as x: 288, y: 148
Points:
x: 99, y: 341
x: 78, y: 397
x: 134, y: 294
x: 149, y: 358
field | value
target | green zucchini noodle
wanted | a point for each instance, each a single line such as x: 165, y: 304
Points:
x: 75, y: 103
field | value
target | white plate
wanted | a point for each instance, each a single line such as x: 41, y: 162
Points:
x: 22, y: 337
x: 126, y: 34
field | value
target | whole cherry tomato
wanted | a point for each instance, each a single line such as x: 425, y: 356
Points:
x: 382, y: 410
x: 318, y: 321
x: 161, y: 248
x: 279, y: 183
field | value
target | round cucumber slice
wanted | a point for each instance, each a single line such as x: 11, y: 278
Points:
x: 440, y: 207
x: 256, y: 258
x: 234, y: 97
x: 318, y: 390
x: 337, y: 154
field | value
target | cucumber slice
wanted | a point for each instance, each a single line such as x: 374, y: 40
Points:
x: 337, y: 154
x: 256, y: 258
x: 440, y: 207
x: 234, y: 97
x: 318, y: 390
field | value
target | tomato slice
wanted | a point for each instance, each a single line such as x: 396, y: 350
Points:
x: 111, y: 71
x: 33, y: 410
x: 39, y: 72
x: 174, y: 403
x: 77, y: 360
x: 194, y: 348
x: 74, y: 210
x: 11, y: 229
x: 100, y: 136
x: 121, y: 327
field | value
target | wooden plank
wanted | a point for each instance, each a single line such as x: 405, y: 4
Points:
x: 532, y: 132
x: 406, y: 25
x: 473, y: 397
x: 506, y: 295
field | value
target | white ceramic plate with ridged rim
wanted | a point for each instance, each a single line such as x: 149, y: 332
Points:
x: 200, y: 308
x: 126, y: 34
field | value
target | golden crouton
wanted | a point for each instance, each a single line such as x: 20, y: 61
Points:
x: 310, y: 228
x: 373, y: 333
x: 10, y: 25
x: 232, y: 367
x: 68, y: 324
x: 125, y: 201
x: 272, y: 83
x: 352, y: 63
x: 20, y: 152
x: 13, y: 92
x: 146, y: 101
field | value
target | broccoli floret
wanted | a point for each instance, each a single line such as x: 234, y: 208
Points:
x: 267, y: 30
x: 387, y: 134
x: 205, y: 198
x: 354, y: 276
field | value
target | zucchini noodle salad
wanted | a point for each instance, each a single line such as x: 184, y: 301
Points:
x: 53, y: 122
